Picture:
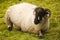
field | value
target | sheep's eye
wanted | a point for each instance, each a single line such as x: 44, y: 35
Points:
x: 48, y: 15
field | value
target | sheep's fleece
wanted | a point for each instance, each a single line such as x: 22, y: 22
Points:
x: 22, y: 16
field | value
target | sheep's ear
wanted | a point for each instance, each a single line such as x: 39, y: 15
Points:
x: 48, y: 11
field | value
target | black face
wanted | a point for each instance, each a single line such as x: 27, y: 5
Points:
x: 40, y: 13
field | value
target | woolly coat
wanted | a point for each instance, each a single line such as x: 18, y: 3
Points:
x: 22, y: 16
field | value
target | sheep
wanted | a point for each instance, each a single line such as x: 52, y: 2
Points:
x: 28, y: 18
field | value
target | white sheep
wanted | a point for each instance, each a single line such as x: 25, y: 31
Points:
x: 28, y: 18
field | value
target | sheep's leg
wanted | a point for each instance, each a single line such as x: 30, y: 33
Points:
x: 17, y: 27
x: 10, y: 26
x: 40, y: 35
x: 9, y: 23
x: 44, y: 30
x: 45, y: 27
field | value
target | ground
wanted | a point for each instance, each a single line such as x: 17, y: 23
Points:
x: 53, y: 32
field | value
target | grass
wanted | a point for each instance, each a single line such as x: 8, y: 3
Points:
x: 54, y: 31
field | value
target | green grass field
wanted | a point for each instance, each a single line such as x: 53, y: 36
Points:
x: 54, y: 31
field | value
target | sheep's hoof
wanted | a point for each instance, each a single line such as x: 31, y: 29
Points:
x: 40, y: 37
x: 10, y: 28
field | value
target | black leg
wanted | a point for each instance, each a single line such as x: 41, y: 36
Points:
x: 10, y: 28
x: 40, y: 35
x: 44, y: 31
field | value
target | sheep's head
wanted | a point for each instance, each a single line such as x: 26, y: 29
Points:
x: 41, y: 13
